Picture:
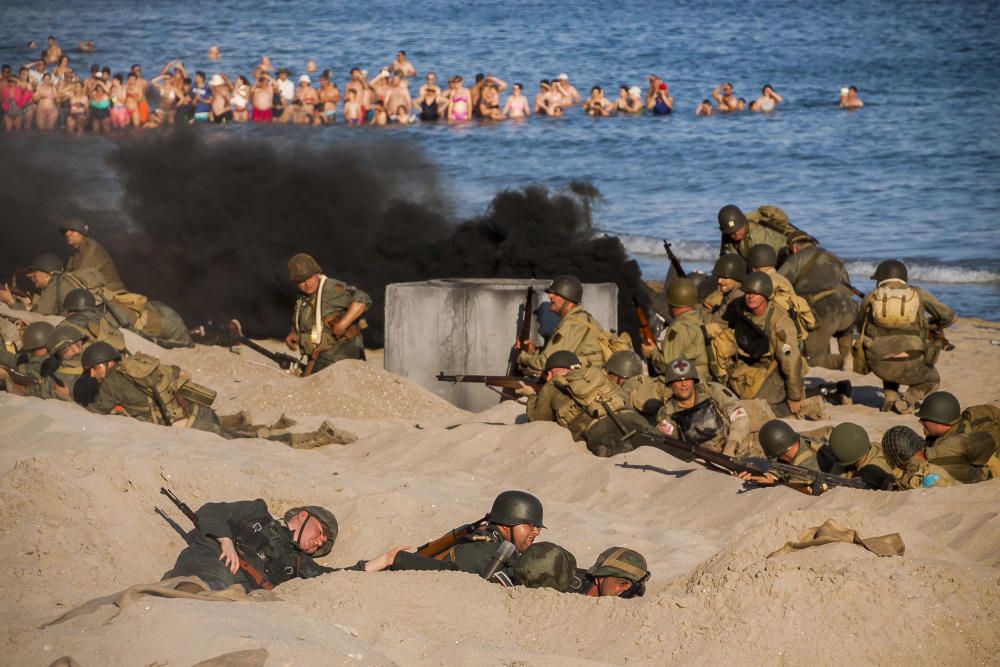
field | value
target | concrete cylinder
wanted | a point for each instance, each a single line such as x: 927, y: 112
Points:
x: 468, y: 326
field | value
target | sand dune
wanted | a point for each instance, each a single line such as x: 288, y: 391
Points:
x: 78, y: 493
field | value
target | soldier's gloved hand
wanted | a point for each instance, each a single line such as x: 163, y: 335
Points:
x: 291, y: 340
x: 228, y: 555
x: 795, y: 407
x: 647, y: 349
x: 525, y: 390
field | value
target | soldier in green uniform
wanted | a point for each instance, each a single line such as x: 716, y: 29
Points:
x: 577, y: 332
x: 645, y: 394
x: 762, y: 258
x: 818, y: 276
x: 706, y: 414
x: 515, y: 518
x: 585, y: 401
x: 768, y: 363
x: 685, y: 337
x: 66, y: 345
x: 89, y: 254
x: 52, y: 283
x: 29, y: 361
x: 896, y: 321
x: 241, y: 543
x: 809, y: 450
x: 739, y: 234
x: 84, y: 314
x: 968, y: 455
x: 618, y: 572
x: 333, y: 331
x: 721, y: 288
x: 905, y: 450
x: 860, y: 457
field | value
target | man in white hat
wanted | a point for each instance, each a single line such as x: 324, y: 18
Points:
x: 570, y: 94
x: 221, y: 94
x: 306, y: 98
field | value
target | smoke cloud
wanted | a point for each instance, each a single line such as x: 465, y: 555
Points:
x: 215, y: 219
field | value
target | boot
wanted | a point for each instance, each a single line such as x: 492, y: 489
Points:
x: 890, y: 396
x: 846, y: 351
x: 813, y: 409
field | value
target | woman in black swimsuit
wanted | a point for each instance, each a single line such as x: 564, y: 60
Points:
x: 429, y: 103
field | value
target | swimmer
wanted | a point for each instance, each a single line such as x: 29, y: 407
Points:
x: 311, y: 67
x: 459, y: 101
x: 402, y: 66
x: 597, y: 104
x: 262, y: 95
x: 724, y: 97
x: 705, y: 108
x: 652, y: 88
x: 329, y: 96
x: 570, y: 95
x: 430, y: 101
x: 430, y: 83
x: 546, y: 104
x: 46, y: 108
x: 354, y: 113
x: 489, y: 101
x: 662, y: 103
x: 52, y: 51
x: 305, y: 101
x: 222, y: 92
x: 381, y: 116
x: 517, y: 105
x: 213, y: 52
x: 87, y: 46
x: 402, y: 116
x: 78, y: 117
x: 767, y: 101
x: 398, y: 94
x: 265, y: 64
x: 240, y: 99
x: 628, y: 101
x: 849, y: 98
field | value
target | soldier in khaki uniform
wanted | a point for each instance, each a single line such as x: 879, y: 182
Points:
x: 89, y: 254
x: 704, y: 413
x: 762, y: 258
x: 721, y: 288
x: 29, y: 361
x: 905, y: 451
x: 685, y: 337
x: 818, y: 276
x: 968, y: 455
x: 66, y: 345
x: 644, y: 394
x: 585, y: 401
x: 860, y: 457
x: 47, y: 274
x: 739, y: 234
x: 577, y: 332
x: 331, y: 332
x: 93, y: 326
x: 895, y: 322
x: 769, y: 364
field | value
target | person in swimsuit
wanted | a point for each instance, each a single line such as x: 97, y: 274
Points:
x: 489, y: 102
x: 133, y: 98
x: 240, y: 99
x: 402, y: 66
x: 429, y: 103
x: 381, y: 116
x: 46, y: 108
x: 100, y: 105
x: 767, y: 101
x: 78, y: 116
x: 430, y: 83
x: 402, y: 116
x: 28, y: 112
x: 354, y: 113
x: 221, y: 94
x: 398, y: 94
x: 329, y: 96
x: 597, y: 104
x: 305, y: 101
x: 546, y: 104
x: 705, y: 108
x: 53, y: 52
x: 141, y: 87
x: 629, y: 100
x: 849, y: 98
x: 458, y: 110
x: 662, y: 104
x: 262, y: 95
x: 166, y: 84
x: 570, y: 95
x: 724, y: 97
x: 119, y: 103
x: 517, y: 104
x: 61, y: 69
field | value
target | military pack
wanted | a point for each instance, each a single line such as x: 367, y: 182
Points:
x: 590, y: 389
x: 159, y: 382
x: 895, y: 305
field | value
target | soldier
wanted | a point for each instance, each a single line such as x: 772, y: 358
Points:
x: 89, y: 254
x: 968, y: 455
x: 65, y: 344
x: 705, y: 414
x: 142, y: 387
x: 84, y: 315
x: 895, y: 336
x: 29, y: 362
x: 618, y: 572
x: 577, y: 331
x: 769, y: 364
x: 685, y: 336
x: 906, y: 450
x: 333, y: 331
x: 860, y: 457
x: 739, y: 234
x: 153, y: 320
x: 818, y: 276
x: 47, y: 275
x: 544, y: 565
x: 241, y: 543
x: 516, y: 517
x: 645, y: 394
x: 762, y: 258
x: 722, y: 288
x: 585, y: 401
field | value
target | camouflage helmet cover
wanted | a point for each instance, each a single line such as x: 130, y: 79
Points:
x: 325, y: 518
x: 545, y: 565
x: 620, y: 562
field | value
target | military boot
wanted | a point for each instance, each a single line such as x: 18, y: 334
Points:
x: 813, y: 409
x: 846, y: 351
x: 889, y: 400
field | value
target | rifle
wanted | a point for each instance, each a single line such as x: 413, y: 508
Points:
x: 284, y: 361
x: 439, y: 548
x: 524, y: 334
x: 504, y: 382
x: 828, y: 389
x: 674, y: 261
x: 818, y: 482
x: 858, y: 293
x: 251, y: 571
x: 936, y: 334
x: 19, y: 378
x: 645, y: 331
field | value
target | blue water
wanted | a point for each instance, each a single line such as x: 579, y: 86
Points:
x: 914, y: 175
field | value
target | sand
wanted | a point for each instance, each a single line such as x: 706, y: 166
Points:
x: 78, y: 493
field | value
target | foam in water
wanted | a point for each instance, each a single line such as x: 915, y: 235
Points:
x: 932, y: 273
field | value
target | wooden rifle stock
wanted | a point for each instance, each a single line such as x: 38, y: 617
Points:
x: 439, y: 548
x: 251, y: 571
x: 645, y: 331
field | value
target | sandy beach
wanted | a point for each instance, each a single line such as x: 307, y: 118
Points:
x: 78, y: 493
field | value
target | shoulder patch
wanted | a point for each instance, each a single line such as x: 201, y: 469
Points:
x: 557, y: 337
x: 671, y: 335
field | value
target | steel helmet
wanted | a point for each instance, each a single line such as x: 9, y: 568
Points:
x: 761, y: 255
x: 941, y: 407
x: 682, y: 292
x: 568, y: 287
x: 849, y: 443
x: 624, y: 363
x: 758, y: 283
x: 776, y: 438
x: 36, y: 336
x: 99, y: 353
x: 731, y: 219
x: 512, y: 508
x: 326, y: 520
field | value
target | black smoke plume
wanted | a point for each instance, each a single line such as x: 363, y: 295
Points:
x: 215, y: 219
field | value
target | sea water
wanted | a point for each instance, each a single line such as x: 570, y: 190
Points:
x: 915, y: 175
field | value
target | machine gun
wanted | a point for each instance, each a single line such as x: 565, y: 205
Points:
x: 232, y: 334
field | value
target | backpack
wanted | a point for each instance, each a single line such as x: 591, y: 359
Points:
x: 895, y: 305
x: 611, y: 342
x: 982, y: 418
x: 774, y: 218
x: 720, y: 342
x: 155, y: 380
x: 588, y: 388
